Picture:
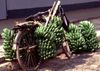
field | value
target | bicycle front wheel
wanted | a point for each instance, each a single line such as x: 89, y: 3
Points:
x: 27, y: 54
x: 66, y: 49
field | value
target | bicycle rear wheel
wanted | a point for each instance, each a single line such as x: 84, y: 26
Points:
x: 27, y: 54
x: 66, y: 48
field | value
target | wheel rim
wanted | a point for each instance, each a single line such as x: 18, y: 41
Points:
x: 27, y: 55
x: 67, y: 49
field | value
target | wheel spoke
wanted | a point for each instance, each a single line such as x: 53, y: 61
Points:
x: 23, y: 56
x: 35, y: 58
x: 28, y: 60
x: 26, y: 40
x: 32, y: 61
x: 28, y: 55
x: 30, y: 38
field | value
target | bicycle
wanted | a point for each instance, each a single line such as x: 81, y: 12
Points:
x: 27, y: 54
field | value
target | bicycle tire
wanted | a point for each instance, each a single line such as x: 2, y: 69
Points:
x: 66, y: 48
x: 32, y: 67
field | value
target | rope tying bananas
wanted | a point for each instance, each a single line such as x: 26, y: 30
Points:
x: 89, y: 34
x: 8, y: 37
x: 75, y: 39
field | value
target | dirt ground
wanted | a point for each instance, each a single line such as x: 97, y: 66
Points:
x: 78, y: 62
x: 85, y: 61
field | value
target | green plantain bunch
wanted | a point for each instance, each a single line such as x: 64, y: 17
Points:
x: 46, y: 47
x: 89, y: 34
x: 75, y: 39
x: 8, y: 37
x: 59, y: 31
x: 49, y: 38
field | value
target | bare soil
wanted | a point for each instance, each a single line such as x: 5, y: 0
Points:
x: 78, y: 62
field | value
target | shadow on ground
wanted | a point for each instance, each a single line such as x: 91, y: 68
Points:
x: 81, y: 61
x: 10, y: 65
x: 62, y: 63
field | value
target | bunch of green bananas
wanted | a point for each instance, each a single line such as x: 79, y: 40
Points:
x: 59, y: 31
x: 49, y: 38
x: 89, y: 34
x: 46, y: 48
x: 45, y: 41
x: 75, y: 39
x: 8, y: 37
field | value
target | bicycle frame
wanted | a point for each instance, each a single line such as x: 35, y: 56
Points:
x: 60, y: 12
x: 27, y: 29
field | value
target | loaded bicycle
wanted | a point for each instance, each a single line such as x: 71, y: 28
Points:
x: 33, y: 46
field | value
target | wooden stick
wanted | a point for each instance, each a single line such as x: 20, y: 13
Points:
x: 50, y: 14
x: 55, y: 10
x: 32, y: 47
